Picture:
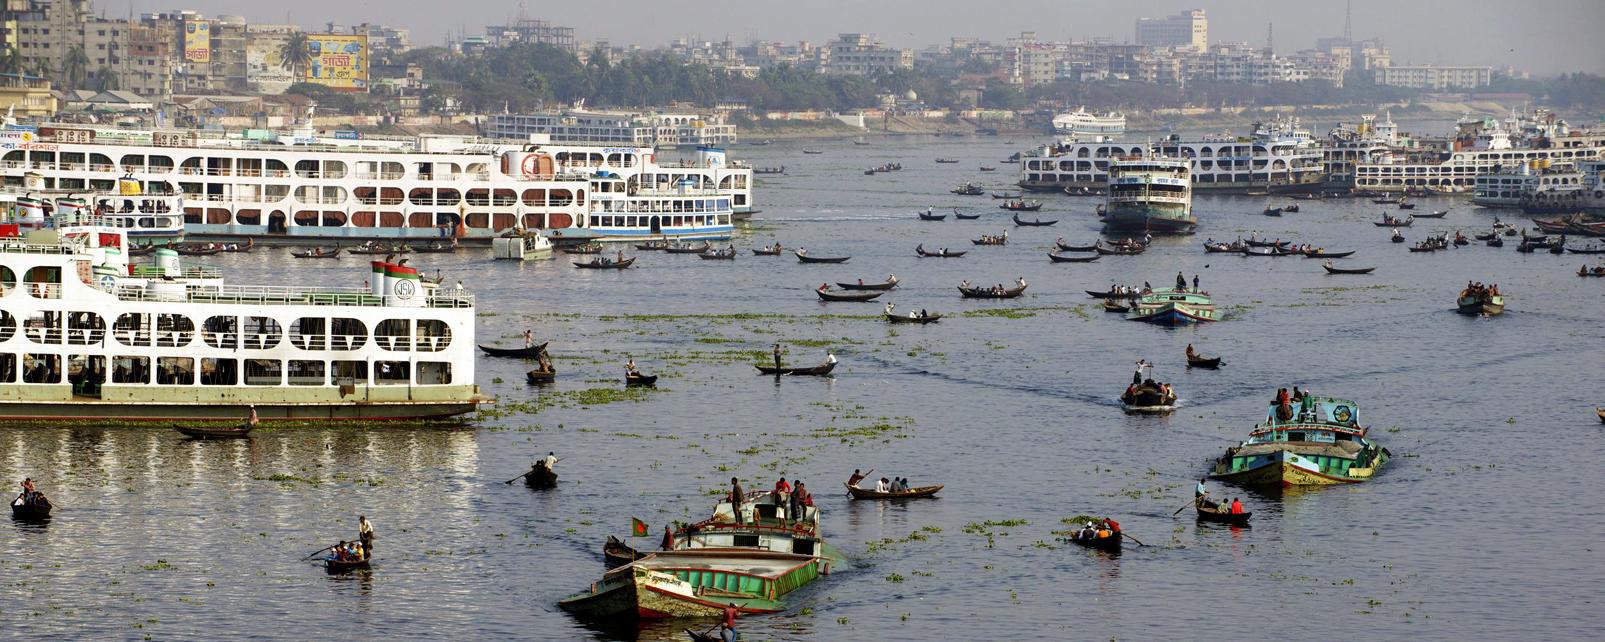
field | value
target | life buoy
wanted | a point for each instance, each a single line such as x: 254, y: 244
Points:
x: 531, y: 165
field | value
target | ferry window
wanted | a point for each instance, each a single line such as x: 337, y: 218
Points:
x: 434, y: 372
x: 8, y: 280
x: 219, y: 372
x: 173, y: 331
x: 41, y: 368
x: 390, y: 170
x: 433, y: 335
x: 85, y: 328
x: 391, y: 373
x: 306, y: 169
x: 350, y: 372
x: 334, y: 169
x: 306, y: 373
x: 175, y: 371
x: 309, y: 333
x: 132, y: 329
x: 393, y: 334
x: 130, y: 370
x: 347, y: 334
x: 8, y: 368
x: 8, y: 326
x: 261, y: 333
x: 222, y: 332
x: 43, y: 282
x: 43, y: 327
x: 263, y: 372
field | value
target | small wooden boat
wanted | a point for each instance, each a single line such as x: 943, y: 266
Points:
x: 940, y: 254
x: 1486, y: 304
x: 1407, y: 206
x: 334, y: 566
x: 989, y: 293
x: 215, y: 432
x: 436, y: 247
x: 1075, y: 248
x: 1316, y: 254
x: 1110, y: 544
x: 689, y: 249
x: 968, y: 190
x: 1337, y: 270
x: 965, y: 217
x: 816, y: 371
x: 616, y: 553
x: 947, y: 161
x: 1585, y: 250
x: 932, y: 217
x: 1495, y: 242
x: 1148, y: 400
x: 37, y: 510
x: 1116, y: 305
x: 767, y: 251
x: 1273, y: 211
x: 1437, y: 214
x: 1005, y: 196
x: 317, y: 253
x: 1021, y: 206
x: 1290, y: 209
x: 804, y: 258
x: 638, y: 379
x: 988, y: 169
x: 912, y: 493
x: 1036, y: 223
x: 375, y: 249
x: 884, y: 285
x: 605, y: 264
x: 197, y: 250
x: 1128, y: 250
x: 1111, y: 295
x: 142, y: 250
x: 652, y: 245
x: 1279, y: 244
x: 1001, y: 239
x: 1222, y: 516
x: 1197, y: 361
x: 583, y: 248
x: 1057, y: 258
x: 531, y: 352
x: 718, y: 255
x: 858, y: 297
x: 1394, y: 222
x: 540, y: 477
x: 541, y: 376
x: 812, y: 151
x: 922, y: 320
x: 1264, y: 251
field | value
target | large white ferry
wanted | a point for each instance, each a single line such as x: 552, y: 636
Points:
x: 1082, y: 124
x: 1481, y: 147
x: 87, y: 336
x: 1539, y: 189
x: 1150, y: 194
x: 312, y: 189
x: 143, y: 217
x: 1279, y: 156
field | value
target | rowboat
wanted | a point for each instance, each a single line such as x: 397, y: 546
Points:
x: 376, y: 249
x: 541, y: 477
x: 689, y: 249
x: 616, y: 553
x: 1195, y: 361
x: 1001, y: 239
x: 1056, y: 258
x: 816, y: 371
x: 922, y: 320
x: 965, y: 217
x: 1118, y: 250
x: 1075, y: 248
x: 718, y: 255
x: 605, y: 264
x: 932, y: 217
x: 39, y: 509
x: 197, y: 250
x: 1336, y: 270
x: 530, y: 352
x: 638, y: 379
x: 317, y: 253
x: 1486, y: 304
x: 702, y: 637
x: 652, y: 245
x: 1037, y: 223
x: 1110, y: 544
x: 436, y: 247
x: 1393, y: 222
x: 1206, y: 514
x: 1148, y: 400
x: 1253, y: 242
x: 1316, y: 254
x: 1021, y: 206
x: 1265, y: 251
x: 989, y: 293
x: 940, y: 254
x: 1437, y: 214
x: 541, y: 376
x: 912, y: 493
x: 888, y: 284
x: 215, y: 432
x: 804, y: 258
x: 857, y: 297
x: 766, y: 251
x: 142, y: 250
x: 333, y: 565
x: 1115, y: 305
x: 583, y: 248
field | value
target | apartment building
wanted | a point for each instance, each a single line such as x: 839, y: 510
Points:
x: 1434, y: 77
x: 1185, y: 30
x: 856, y: 54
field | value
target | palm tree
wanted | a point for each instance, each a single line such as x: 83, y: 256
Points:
x: 295, y: 55
x: 105, y: 79
x: 73, y: 66
x: 10, y: 61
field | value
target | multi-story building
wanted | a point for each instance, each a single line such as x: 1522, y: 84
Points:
x: 857, y: 54
x: 1185, y: 30
x: 1435, y: 78
x: 1321, y: 65
x: 150, y: 65
x: 1238, y: 62
x: 265, y: 71
x: 531, y: 31
x: 26, y: 96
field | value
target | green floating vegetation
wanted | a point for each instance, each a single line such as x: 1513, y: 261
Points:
x: 160, y: 565
x: 288, y: 479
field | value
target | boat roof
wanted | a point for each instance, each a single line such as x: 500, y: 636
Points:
x: 747, y: 562
x: 1327, y: 414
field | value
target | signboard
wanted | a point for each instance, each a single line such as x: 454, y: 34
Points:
x: 264, y: 65
x: 346, y: 134
x: 197, y: 41
x: 339, y: 62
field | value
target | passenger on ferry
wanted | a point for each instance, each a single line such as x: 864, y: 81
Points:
x: 1181, y: 281
x: 736, y: 497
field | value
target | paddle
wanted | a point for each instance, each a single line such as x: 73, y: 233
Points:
x: 517, y: 478
x: 1128, y: 536
x: 1184, y: 506
x: 319, y: 551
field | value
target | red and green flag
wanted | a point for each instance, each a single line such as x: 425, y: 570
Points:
x: 637, y: 528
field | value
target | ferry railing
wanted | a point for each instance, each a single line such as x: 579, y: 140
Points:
x: 13, y: 247
x: 289, y: 295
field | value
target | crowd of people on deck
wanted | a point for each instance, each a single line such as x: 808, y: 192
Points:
x: 794, y: 500
x: 1479, y: 291
x: 1303, y: 399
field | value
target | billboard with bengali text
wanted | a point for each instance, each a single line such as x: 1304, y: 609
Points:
x: 339, y: 62
x: 197, y: 41
x: 264, y: 65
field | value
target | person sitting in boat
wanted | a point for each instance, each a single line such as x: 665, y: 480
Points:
x: 824, y: 286
x: 883, y: 486
x: 924, y: 314
x: 1237, y: 506
x: 860, y: 281
x: 943, y: 252
x: 1020, y: 282
x: 801, y: 251
x: 965, y: 284
x: 889, y: 307
x: 830, y: 357
x: 630, y: 369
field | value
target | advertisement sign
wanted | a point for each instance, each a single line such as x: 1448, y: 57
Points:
x: 197, y: 41
x: 339, y: 62
x: 264, y: 66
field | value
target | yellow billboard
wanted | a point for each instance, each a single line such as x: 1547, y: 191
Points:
x: 197, y: 41
x: 339, y: 62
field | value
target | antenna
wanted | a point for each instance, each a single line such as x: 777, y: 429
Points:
x: 1270, y: 32
x: 1348, y: 22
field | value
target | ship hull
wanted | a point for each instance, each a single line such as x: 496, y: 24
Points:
x: 1287, y: 469
x: 189, y: 405
x: 1172, y: 315
x: 1150, y: 220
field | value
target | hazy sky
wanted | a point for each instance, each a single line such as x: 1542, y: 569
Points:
x: 1542, y: 36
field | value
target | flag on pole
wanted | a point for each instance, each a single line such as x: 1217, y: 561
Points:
x: 637, y: 528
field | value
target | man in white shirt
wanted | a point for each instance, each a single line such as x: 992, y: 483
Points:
x: 882, y: 486
x: 551, y: 461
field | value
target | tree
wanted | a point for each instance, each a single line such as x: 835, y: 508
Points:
x: 10, y: 61
x: 296, y: 55
x: 104, y: 80
x: 73, y: 66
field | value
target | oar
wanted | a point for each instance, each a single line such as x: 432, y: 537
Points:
x: 1184, y: 506
x: 1128, y: 535
x: 517, y: 478
x: 319, y: 551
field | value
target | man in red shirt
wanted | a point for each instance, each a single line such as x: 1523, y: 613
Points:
x: 1237, y: 506
x: 1114, y: 526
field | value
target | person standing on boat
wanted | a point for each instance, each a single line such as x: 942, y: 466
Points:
x: 736, y: 496
x: 782, y: 492
x: 668, y: 539
x: 1181, y: 282
x: 857, y: 477
x: 1136, y: 377
x: 1195, y: 284
x: 365, y: 533
x: 777, y: 356
x: 529, y: 338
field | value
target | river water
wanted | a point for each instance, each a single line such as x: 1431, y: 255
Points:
x: 1483, y: 524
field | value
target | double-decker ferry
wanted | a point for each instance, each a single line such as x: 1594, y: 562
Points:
x: 147, y: 218
x: 85, y: 335
x: 1537, y: 189
x: 1081, y: 124
x: 1482, y: 147
x: 1150, y: 194
x: 1279, y: 156
x: 306, y: 188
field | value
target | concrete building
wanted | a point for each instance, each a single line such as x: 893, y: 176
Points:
x: 151, y: 63
x: 1185, y: 30
x: 1434, y: 78
x: 530, y: 31
x: 26, y: 96
x: 857, y: 54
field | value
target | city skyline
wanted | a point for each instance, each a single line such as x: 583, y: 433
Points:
x: 1558, y: 39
